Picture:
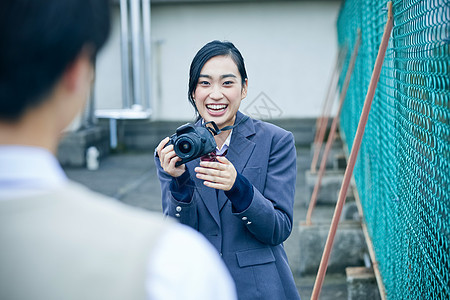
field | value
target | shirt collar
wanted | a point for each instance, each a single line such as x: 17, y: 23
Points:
x: 225, y: 145
x: 25, y: 169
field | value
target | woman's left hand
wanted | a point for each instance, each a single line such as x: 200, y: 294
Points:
x: 219, y: 175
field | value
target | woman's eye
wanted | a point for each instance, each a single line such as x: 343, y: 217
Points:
x: 228, y: 83
x: 203, y: 82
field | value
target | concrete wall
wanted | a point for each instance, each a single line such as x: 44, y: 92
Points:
x: 289, y: 48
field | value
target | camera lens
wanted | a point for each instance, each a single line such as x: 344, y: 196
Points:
x: 185, y: 147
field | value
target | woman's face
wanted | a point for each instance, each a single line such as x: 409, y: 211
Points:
x: 219, y: 91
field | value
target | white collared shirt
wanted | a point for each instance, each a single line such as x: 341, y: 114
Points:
x: 197, y: 274
x: 225, y: 145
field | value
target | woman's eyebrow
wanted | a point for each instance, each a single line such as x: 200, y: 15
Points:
x: 228, y: 75
x: 221, y: 77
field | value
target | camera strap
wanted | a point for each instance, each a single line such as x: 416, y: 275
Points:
x: 215, y: 130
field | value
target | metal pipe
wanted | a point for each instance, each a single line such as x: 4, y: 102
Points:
x: 322, y: 122
x: 136, y: 35
x: 354, y: 153
x: 351, y: 65
x: 125, y: 57
x: 146, y: 24
x: 90, y: 118
x: 113, y: 133
x: 327, y: 97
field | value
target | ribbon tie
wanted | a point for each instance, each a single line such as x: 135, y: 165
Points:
x: 212, y: 156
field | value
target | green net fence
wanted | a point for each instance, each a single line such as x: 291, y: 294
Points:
x: 402, y: 173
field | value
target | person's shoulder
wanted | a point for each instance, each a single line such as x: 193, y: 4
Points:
x: 87, y: 201
x: 200, y: 272
x: 270, y: 129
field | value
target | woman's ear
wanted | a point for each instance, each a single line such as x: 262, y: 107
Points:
x: 244, y: 89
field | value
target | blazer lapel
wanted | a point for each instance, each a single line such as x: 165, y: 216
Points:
x: 221, y: 200
x: 240, y: 150
x: 207, y: 194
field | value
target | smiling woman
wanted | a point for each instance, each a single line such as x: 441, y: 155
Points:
x: 241, y: 202
x: 219, y: 91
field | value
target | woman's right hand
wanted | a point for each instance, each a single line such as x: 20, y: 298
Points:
x: 168, y: 158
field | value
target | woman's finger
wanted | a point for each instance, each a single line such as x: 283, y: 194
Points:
x: 223, y: 180
x: 215, y: 185
x: 166, y: 155
x: 223, y: 160
x: 211, y: 172
x: 161, y: 145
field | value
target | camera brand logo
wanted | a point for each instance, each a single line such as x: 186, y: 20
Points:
x: 263, y: 108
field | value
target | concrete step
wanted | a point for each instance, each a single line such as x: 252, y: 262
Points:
x: 348, y: 247
x: 334, y: 158
x: 334, y: 287
x: 361, y: 284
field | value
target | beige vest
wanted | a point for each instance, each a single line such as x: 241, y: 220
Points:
x: 75, y: 244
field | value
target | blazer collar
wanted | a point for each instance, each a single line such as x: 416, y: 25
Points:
x: 241, y: 147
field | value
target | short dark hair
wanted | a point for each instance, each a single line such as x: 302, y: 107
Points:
x: 39, y: 39
x: 210, y: 50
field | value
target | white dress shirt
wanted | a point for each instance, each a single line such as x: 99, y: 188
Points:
x: 225, y: 145
x: 183, y: 264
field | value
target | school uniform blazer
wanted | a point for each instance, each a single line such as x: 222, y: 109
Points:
x: 250, y: 242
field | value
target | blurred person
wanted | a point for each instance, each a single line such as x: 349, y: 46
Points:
x: 241, y: 202
x: 59, y: 240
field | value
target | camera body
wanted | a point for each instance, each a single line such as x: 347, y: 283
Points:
x: 191, y: 142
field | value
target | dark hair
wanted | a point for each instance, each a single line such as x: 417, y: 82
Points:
x: 210, y: 50
x: 39, y: 39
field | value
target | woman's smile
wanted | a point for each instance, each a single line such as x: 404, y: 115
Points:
x: 216, y: 109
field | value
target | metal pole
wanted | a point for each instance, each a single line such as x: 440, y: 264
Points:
x: 354, y: 153
x: 332, y: 133
x: 327, y: 97
x: 146, y: 23
x: 322, y: 121
x: 90, y: 118
x: 125, y: 59
x: 113, y: 133
x: 136, y: 35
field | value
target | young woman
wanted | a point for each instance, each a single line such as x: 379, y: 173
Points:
x: 243, y: 201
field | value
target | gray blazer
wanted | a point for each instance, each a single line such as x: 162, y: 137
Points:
x: 249, y: 242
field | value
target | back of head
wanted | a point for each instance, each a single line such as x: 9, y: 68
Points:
x: 39, y: 40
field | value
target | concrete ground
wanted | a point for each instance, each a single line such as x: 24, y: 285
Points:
x: 131, y: 178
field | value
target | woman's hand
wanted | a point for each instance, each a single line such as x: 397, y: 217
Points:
x: 168, y: 158
x: 219, y: 175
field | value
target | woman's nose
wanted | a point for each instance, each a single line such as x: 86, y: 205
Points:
x: 216, y: 94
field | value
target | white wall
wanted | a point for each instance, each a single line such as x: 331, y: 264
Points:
x: 289, y: 50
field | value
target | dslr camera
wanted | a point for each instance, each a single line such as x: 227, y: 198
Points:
x: 190, y: 142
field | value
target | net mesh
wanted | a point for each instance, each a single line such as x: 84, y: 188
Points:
x: 402, y: 173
